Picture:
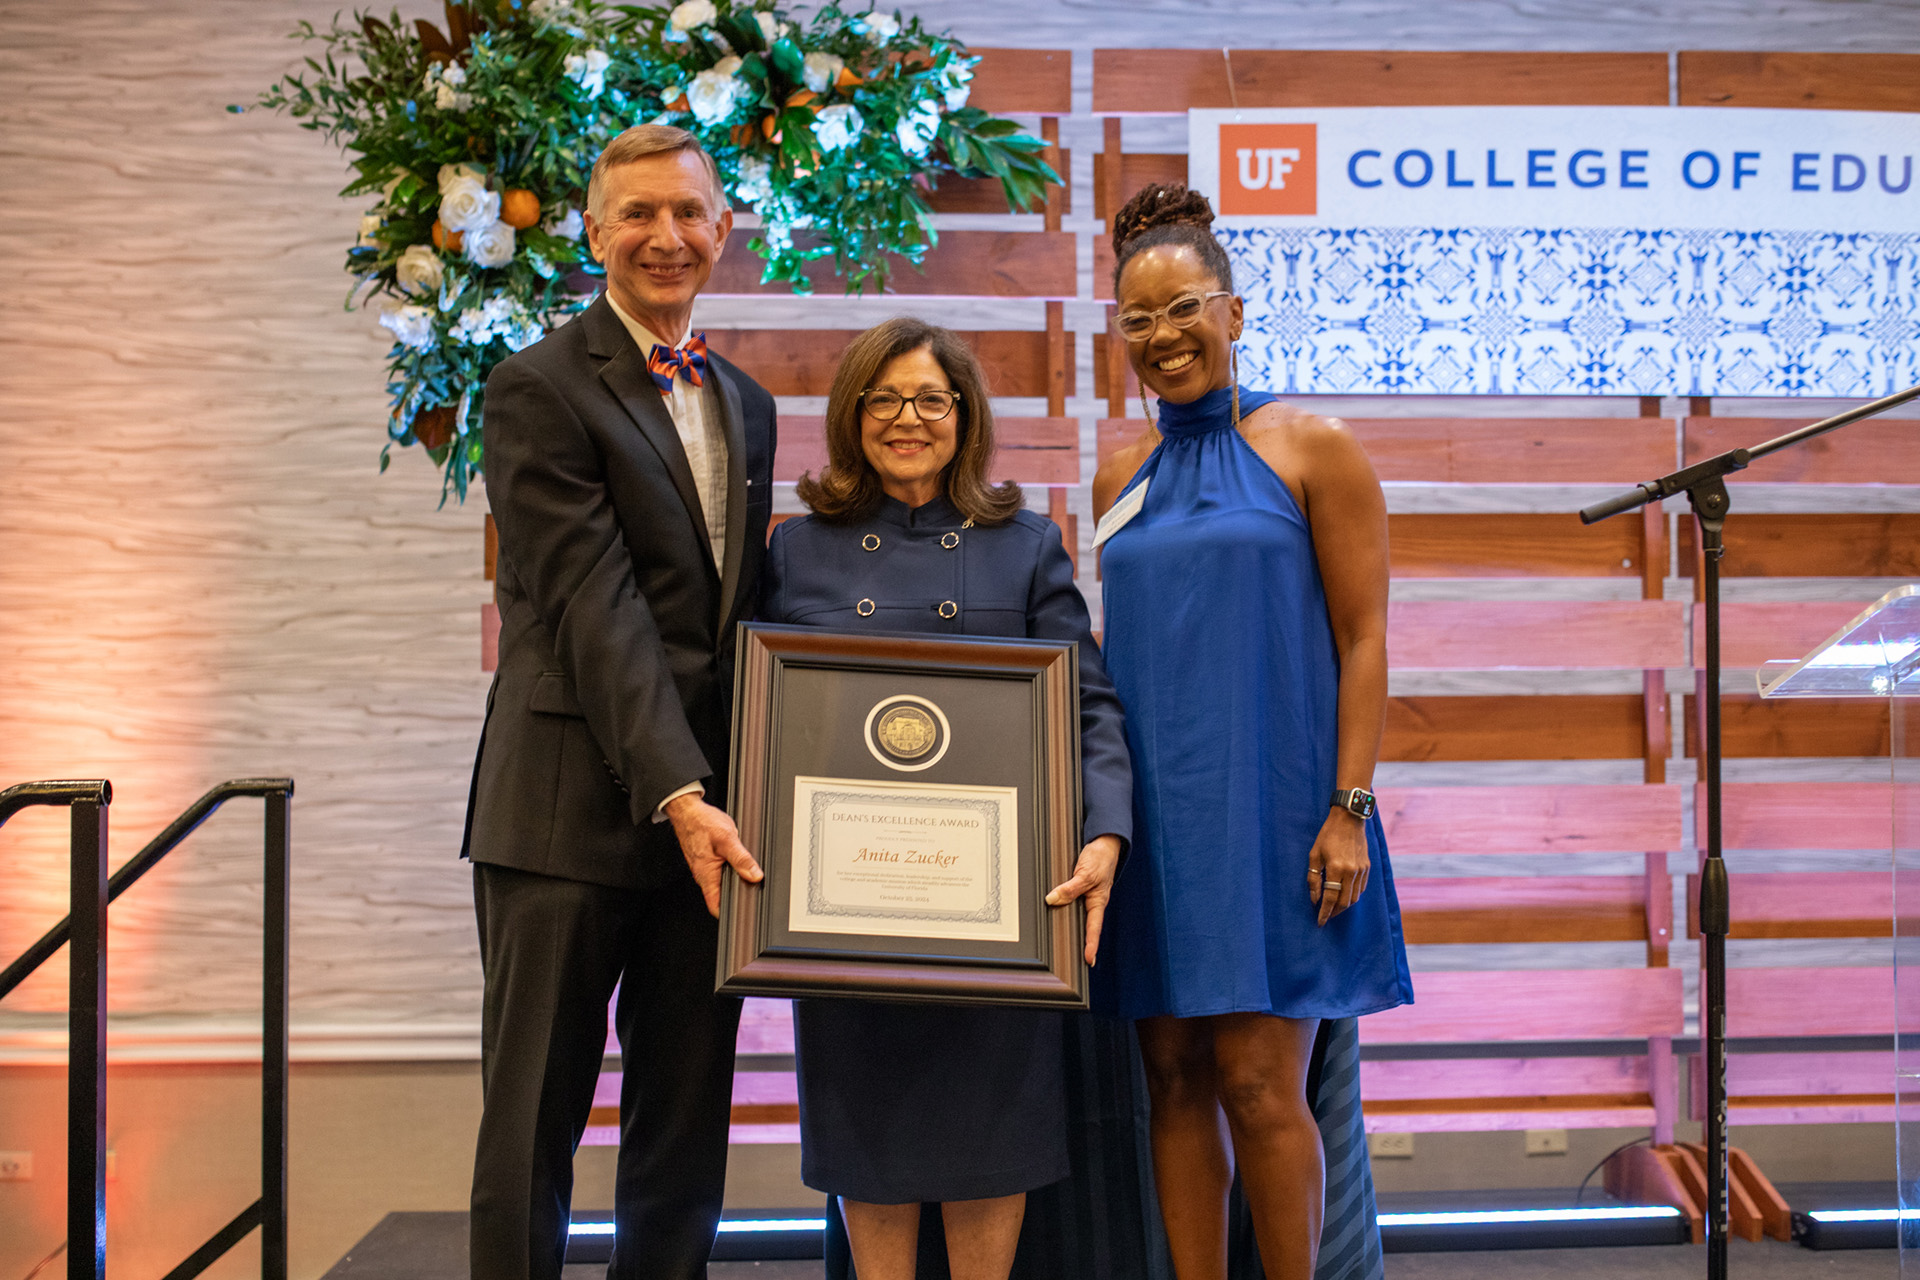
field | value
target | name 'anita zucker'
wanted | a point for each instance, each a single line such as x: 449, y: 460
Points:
x: 909, y: 857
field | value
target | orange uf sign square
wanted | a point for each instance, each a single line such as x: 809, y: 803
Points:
x: 1268, y: 169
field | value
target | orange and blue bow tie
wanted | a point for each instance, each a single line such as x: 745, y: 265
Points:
x: 666, y: 363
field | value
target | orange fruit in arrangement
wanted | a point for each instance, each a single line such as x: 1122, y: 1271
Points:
x: 769, y: 125
x: 846, y: 79
x: 433, y: 427
x: 519, y: 208
x: 445, y: 239
x: 801, y: 97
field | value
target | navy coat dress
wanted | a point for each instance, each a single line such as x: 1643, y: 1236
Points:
x: 903, y: 1103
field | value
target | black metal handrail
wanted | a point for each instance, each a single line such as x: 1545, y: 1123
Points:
x: 86, y: 928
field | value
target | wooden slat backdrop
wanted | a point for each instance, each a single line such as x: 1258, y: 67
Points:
x: 1795, y: 727
x: 1875, y: 451
x: 1823, y: 904
x: 1170, y: 81
x: 1548, y: 635
x: 1805, y: 815
x: 1515, y: 909
x: 1756, y: 632
x: 1544, y: 819
x: 1596, y: 726
x: 1839, y: 544
x: 1534, y: 1004
x: 1836, y: 81
x: 1511, y: 545
x: 802, y: 362
x: 1814, y: 1002
x: 966, y: 264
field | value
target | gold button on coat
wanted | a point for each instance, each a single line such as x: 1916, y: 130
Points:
x: 949, y: 540
x: 864, y: 608
x: 871, y: 542
x: 948, y: 608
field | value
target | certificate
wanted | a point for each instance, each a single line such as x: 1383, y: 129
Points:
x: 911, y: 799
x: 905, y: 860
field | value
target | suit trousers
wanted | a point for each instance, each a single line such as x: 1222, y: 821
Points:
x: 553, y: 952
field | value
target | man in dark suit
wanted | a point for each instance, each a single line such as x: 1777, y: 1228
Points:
x: 628, y: 472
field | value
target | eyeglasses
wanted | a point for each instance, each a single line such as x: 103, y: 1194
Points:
x: 931, y: 406
x: 1182, y: 313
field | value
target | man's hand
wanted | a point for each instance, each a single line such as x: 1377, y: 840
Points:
x: 708, y: 838
x: 1092, y: 883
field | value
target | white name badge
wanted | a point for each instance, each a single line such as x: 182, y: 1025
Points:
x: 1121, y: 512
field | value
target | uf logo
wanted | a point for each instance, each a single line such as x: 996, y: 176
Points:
x: 1268, y: 169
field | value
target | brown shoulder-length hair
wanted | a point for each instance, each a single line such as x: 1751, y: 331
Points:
x: 849, y: 488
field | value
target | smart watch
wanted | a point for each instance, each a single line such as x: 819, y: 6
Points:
x: 1357, y: 801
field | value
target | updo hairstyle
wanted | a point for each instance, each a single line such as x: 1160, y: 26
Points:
x: 1168, y: 213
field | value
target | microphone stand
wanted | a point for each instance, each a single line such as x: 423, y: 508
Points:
x: 1705, y: 485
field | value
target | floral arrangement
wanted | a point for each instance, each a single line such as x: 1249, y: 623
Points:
x: 478, y: 142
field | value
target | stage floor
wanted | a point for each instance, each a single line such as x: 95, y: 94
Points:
x: 433, y: 1246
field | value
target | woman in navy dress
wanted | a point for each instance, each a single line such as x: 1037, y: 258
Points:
x: 1245, y: 582
x: 908, y: 1104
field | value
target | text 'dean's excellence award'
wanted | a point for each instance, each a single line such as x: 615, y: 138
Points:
x: 911, y: 800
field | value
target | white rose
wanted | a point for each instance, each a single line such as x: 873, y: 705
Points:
x: 753, y: 181
x: 694, y: 13
x: 466, y: 205
x: 713, y: 95
x: 419, y: 269
x: 588, y: 70
x: 447, y: 98
x: 959, y: 86
x: 453, y: 74
x: 880, y: 27
x: 411, y: 326
x: 450, y: 172
x: 821, y: 70
x: 568, y: 226
x: 728, y: 66
x: 369, y: 229
x: 837, y: 127
x: 490, y: 246
x: 771, y: 28
x: 917, y: 129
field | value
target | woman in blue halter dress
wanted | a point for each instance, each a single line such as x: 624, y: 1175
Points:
x: 1244, y: 573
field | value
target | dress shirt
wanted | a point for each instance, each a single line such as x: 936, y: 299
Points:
x: 696, y: 420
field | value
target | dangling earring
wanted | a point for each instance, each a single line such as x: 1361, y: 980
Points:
x: 1233, y: 357
x: 1145, y: 412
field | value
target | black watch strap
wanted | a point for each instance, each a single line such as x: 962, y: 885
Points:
x: 1357, y: 801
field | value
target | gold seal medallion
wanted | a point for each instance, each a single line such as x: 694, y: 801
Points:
x: 906, y: 731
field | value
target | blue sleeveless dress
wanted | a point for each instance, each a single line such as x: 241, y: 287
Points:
x: 1219, y: 644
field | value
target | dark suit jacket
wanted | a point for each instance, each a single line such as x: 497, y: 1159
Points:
x: 615, y: 681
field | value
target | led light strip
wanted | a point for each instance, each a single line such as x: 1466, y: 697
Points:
x: 1862, y: 1215
x: 1492, y: 1217
x: 741, y: 1224
x: 1477, y: 1217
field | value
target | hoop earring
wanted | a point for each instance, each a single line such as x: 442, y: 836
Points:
x: 1233, y: 357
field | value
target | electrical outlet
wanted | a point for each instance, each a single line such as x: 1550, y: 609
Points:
x: 1546, y: 1142
x: 16, y: 1166
x: 1390, y: 1146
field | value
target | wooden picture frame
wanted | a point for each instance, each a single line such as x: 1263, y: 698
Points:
x: 984, y: 726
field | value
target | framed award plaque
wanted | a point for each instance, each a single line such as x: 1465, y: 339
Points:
x: 911, y: 799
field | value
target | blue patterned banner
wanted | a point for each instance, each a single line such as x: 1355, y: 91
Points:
x: 1504, y: 311
x: 1570, y: 251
